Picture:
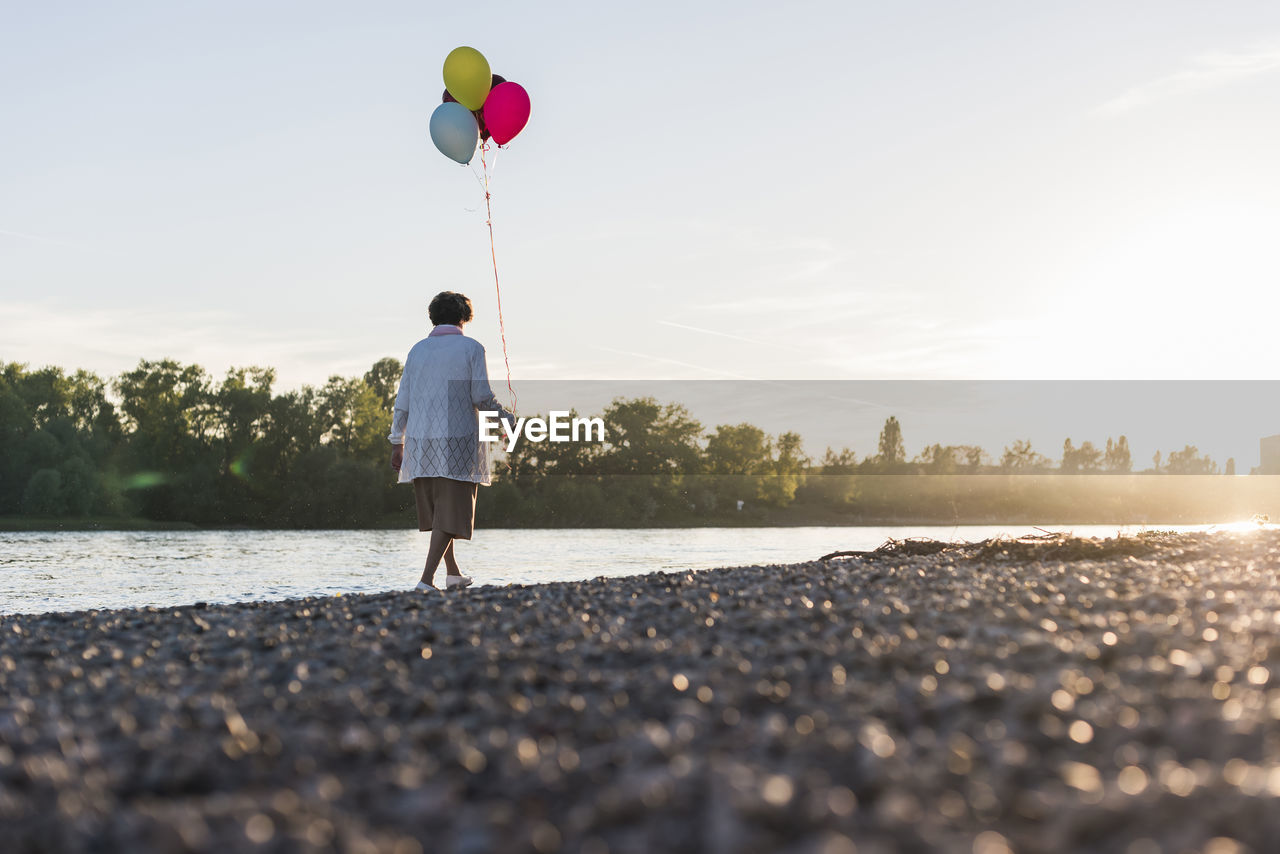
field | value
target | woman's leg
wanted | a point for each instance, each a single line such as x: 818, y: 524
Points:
x: 450, y: 562
x: 440, y: 544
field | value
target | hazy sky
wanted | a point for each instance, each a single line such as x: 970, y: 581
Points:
x: 820, y: 190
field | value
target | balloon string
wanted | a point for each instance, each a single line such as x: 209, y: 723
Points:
x: 493, y: 255
x: 474, y: 174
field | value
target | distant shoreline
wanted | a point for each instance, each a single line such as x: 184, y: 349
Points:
x: 18, y: 524
x: 703, y: 502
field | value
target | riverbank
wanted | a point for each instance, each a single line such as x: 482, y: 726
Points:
x: 1038, y: 696
x: 21, y: 524
x: 783, y: 518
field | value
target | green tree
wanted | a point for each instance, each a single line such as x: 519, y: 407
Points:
x: 892, y: 453
x: 645, y: 437
x: 1069, y: 463
x: 331, y: 490
x: 739, y: 449
x: 43, y: 495
x: 938, y: 459
x: 751, y: 466
x: 292, y: 428
x: 740, y: 455
x: 537, y: 459
x: 355, y: 420
x: 241, y: 406
x: 171, y: 460
x: 974, y: 457
x: 242, y: 403
x: 1116, y: 458
x: 1190, y: 461
x: 844, y: 462
x: 40, y: 449
x: 786, y: 471
x: 92, y: 412
x: 168, y: 416
x: 1086, y: 458
x: 13, y: 426
x: 81, y: 485
x: 384, y: 379
x: 1021, y: 457
x: 835, y: 485
x: 52, y: 421
x: 45, y: 394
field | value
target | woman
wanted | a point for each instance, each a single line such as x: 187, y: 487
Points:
x: 435, y: 433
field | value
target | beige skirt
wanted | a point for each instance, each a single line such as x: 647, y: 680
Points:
x: 446, y: 504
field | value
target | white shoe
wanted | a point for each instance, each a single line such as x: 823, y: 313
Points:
x: 458, y: 581
x: 424, y: 587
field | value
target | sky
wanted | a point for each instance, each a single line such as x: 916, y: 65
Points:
x: 705, y: 191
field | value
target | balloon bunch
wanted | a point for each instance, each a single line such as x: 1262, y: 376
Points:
x: 478, y: 104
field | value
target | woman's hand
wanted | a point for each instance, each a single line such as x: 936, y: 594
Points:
x: 397, y: 456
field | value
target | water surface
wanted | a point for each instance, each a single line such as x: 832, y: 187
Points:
x: 76, y: 570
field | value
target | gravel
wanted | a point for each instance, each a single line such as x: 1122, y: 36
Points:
x: 1033, y: 696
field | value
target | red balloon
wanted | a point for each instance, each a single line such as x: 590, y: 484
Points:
x: 506, y: 111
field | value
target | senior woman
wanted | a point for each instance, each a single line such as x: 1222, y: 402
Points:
x: 435, y: 433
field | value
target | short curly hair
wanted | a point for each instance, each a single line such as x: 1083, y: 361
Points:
x: 449, y: 307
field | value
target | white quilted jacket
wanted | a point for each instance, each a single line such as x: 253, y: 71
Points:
x: 444, y: 384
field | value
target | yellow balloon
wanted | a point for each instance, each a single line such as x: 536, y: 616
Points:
x: 467, y: 76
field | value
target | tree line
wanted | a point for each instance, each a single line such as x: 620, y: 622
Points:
x: 1020, y: 457
x: 168, y: 442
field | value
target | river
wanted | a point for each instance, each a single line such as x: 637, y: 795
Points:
x: 78, y: 570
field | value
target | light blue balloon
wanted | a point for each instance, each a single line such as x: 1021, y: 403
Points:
x: 455, y: 132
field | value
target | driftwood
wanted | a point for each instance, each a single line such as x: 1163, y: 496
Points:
x: 1050, y: 544
x: 845, y: 554
x: 908, y: 546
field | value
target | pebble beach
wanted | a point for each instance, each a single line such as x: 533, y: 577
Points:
x: 1040, y: 695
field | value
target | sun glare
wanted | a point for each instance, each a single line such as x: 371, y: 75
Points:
x: 1243, y: 527
x: 1182, y: 293
x: 1194, y: 252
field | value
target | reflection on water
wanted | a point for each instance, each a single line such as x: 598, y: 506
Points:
x: 75, y: 570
